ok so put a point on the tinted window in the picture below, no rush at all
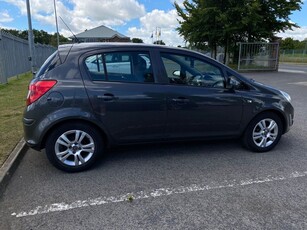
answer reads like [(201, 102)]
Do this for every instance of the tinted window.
[(188, 70), (95, 66), (121, 66), (118, 65), (52, 61)]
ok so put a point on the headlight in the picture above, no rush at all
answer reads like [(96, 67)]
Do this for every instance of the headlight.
[(287, 96)]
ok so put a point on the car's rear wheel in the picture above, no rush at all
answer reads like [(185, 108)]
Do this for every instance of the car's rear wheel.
[(263, 133), (74, 147)]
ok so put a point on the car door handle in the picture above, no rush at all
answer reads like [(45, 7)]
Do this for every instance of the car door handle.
[(107, 97), (248, 100), (181, 100)]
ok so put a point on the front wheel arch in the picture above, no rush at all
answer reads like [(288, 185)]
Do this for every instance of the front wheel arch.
[(277, 112)]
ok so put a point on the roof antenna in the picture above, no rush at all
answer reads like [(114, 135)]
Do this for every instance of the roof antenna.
[(76, 39)]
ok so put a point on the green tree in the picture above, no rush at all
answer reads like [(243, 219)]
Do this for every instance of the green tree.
[(291, 44), (40, 36), (17, 33), (205, 23), (137, 40), (212, 23), (287, 44), (159, 42), (54, 42)]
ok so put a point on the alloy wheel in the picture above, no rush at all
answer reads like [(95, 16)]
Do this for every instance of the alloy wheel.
[(265, 133), (74, 147)]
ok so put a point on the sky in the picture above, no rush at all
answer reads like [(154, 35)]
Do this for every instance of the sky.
[(133, 18)]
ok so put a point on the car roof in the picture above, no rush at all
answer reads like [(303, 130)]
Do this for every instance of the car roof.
[(100, 45)]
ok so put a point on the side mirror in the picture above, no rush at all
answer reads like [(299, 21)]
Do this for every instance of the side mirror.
[(176, 73), (232, 83)]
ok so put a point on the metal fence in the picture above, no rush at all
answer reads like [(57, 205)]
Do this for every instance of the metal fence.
[(258, 56), (297, 56), (14, 56)]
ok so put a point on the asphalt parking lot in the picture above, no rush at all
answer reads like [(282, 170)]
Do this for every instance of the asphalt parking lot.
[(193, 185)]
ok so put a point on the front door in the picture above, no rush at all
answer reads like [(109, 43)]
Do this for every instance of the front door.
[(198, 103)]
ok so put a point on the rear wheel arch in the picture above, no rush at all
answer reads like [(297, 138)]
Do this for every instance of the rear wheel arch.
[(81, 121), (74, 146)]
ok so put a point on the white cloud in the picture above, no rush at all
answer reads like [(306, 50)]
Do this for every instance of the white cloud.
[(160, 18), (296, 33), (164, 21), (5, 17), (83, 14), (179, 2), (122, 10)]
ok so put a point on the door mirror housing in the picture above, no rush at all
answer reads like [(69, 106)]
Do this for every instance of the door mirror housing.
[(176, 73), (233, 83), (236, 84)]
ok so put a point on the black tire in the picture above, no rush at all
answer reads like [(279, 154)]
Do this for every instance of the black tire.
[(264, 139), (74, 147)]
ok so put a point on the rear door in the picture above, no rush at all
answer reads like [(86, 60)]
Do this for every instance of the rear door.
[(123, 92)]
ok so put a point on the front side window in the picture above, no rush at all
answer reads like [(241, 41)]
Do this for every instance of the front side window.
[(121, 66), (186, 70)]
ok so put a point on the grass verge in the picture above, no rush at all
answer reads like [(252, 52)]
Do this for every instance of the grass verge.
[(12, 103)]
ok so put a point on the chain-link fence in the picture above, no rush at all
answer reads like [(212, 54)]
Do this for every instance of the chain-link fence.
[(297, 56), (14, 56)]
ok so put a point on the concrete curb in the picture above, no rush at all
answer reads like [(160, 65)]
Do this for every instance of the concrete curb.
[(10, 165)]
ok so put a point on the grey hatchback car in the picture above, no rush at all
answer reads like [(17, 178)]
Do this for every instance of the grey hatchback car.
[(89, 96)]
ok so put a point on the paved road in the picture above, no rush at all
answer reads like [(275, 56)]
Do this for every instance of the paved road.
[(195, 185), (294, 68)]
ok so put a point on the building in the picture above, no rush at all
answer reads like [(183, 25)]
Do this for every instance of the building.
[(101, 34)]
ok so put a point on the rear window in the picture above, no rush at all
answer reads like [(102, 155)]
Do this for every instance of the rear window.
[(120, 66), (52, 61)]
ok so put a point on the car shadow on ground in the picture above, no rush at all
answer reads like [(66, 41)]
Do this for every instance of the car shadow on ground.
[(160, 150)]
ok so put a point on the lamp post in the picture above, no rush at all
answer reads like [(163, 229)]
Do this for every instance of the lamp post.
[(31, 40), (56, 23)]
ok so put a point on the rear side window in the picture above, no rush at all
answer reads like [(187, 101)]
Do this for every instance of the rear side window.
[(95, 66), (120, 67), (118, 64), (49, 64)]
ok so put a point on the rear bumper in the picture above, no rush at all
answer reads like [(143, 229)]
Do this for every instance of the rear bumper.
[(31, 135)]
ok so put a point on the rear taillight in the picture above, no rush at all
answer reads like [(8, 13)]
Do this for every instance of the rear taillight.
[(38, 89)]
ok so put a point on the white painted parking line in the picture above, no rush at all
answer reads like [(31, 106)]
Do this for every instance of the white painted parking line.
[(304, 83), (59, 207), (291, 71)]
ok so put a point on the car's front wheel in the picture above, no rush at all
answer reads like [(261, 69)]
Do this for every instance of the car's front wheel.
[(263, 133), (74, 147)]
